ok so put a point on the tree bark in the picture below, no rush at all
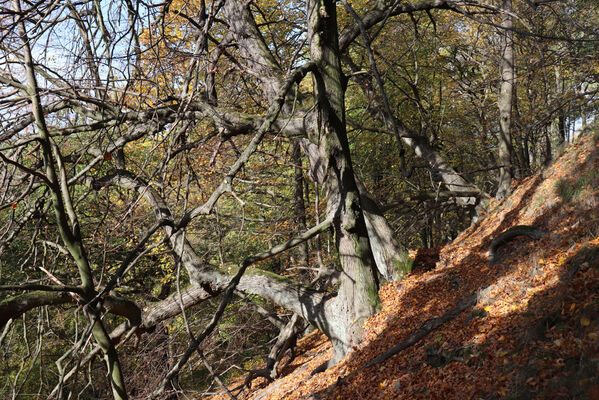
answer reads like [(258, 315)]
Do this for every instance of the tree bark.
[(299, 206), (392, 260), (261, 63), (357, 298), (254, 51), (505, 98)]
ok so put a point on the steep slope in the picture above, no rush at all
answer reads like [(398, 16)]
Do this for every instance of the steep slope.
[(531, 329)]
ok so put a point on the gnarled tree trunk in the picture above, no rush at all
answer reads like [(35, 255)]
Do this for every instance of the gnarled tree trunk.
[(357, 298)]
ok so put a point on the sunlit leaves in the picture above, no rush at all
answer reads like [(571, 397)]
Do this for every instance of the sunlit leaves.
[(537, 333)]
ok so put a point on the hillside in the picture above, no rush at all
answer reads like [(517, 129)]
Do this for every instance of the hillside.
[(526, 326)]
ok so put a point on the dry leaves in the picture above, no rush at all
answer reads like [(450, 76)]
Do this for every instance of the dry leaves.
[(535, 336)]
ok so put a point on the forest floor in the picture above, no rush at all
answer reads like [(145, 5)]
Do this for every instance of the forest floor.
[(531, 332)]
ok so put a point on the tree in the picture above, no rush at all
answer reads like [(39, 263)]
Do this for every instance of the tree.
[(506, 95), (340, 317), (168, 139)]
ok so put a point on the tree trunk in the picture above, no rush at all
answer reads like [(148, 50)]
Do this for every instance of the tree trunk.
[(357, 298), (504, 101), (252, 47), (548, 157), (299, 206), (392, 260), (560, 127), (262, 64)]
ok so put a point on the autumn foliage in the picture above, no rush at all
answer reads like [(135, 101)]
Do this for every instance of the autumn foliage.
[(533, 333)]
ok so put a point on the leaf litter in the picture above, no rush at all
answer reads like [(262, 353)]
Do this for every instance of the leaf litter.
[(533, 332)]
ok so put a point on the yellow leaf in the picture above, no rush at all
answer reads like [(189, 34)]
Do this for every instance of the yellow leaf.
[(541, 261), (572, 307), (561, 260)]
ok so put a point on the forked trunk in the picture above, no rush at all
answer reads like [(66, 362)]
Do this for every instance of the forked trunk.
[(357, 297)]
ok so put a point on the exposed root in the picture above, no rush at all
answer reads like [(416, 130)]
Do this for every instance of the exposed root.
[(519, 230), (286, 341)]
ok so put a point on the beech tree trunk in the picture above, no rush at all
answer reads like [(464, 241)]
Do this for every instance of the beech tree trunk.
[(357, 298), (506, 92), (299, 206), (392, 260)]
